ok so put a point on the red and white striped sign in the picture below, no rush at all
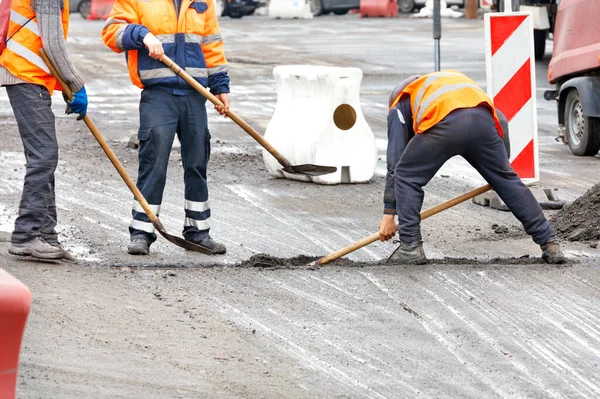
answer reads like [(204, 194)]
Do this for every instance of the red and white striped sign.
[(511, 84), (486, 3)]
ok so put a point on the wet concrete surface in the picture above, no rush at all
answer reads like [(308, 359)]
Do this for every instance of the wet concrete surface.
[(486, 318)]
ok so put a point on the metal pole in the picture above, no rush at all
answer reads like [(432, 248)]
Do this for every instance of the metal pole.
[(437, 32)]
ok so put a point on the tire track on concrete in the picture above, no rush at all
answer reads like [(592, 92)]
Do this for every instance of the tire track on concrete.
[(436, 328), (296, 350), (463, 294), (538, 350)]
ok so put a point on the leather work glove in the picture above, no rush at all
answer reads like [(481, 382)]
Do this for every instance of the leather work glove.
[(78, 104)]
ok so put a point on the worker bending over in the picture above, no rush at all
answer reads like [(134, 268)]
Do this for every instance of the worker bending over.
[(431, 119)]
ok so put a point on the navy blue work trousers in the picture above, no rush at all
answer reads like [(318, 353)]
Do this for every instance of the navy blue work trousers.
[(162, 115), (470, 133)]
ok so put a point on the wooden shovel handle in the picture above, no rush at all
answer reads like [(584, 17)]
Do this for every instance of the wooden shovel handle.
[(234, 117), (424, 215), (107, 150)]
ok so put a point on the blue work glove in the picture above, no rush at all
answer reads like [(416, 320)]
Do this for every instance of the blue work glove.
[(78, 104)]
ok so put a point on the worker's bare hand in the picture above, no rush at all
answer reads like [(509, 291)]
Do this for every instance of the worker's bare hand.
[(154, 46), (387, 228), (224, 97)]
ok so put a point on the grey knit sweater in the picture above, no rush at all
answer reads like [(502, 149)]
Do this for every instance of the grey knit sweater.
[(49, 18)]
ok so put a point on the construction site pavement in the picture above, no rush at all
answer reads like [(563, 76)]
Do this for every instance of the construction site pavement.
[(485, 319)]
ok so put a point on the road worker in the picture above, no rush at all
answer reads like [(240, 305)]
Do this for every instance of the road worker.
[(34, 25), (431, 119), (187, 32)]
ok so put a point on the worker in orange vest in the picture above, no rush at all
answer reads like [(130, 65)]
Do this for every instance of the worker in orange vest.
[(34, 25), (186, 31), (431, 119)]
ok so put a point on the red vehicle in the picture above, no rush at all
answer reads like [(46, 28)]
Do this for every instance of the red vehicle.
[(575, 70)]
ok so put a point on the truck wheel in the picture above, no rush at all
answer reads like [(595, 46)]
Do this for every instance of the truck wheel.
[(316, 7), (85, 8), (406, 6), (583, 132), (539, 43)]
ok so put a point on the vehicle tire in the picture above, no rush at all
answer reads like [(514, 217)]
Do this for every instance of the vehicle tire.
[(583, 132), (316, 7), (85, 8), (220, 8), (539, 43), (340, 12), (235, 14), (406, 6)]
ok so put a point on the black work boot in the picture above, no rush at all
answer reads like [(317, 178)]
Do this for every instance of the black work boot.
[(552, 254), (138, 246), (410, 255), (36, 247), (216, 248)]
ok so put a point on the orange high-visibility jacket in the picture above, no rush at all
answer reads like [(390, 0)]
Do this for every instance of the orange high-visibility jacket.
[(21, 55), (192, 40), (435, 95)]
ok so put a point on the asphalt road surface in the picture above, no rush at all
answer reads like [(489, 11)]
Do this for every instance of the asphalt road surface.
[(484, 319)]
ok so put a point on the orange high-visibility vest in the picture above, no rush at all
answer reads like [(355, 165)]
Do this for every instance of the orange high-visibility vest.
[(191, 38), (21, 56), (435, 95)]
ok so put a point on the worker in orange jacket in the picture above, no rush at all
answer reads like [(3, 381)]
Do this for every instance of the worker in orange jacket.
[(186, 31), (431, 119), (29, 83)]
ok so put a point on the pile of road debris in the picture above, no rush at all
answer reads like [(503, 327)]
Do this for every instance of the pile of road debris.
[(578, 221)]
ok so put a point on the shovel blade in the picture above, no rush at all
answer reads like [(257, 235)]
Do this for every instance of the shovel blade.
[(180, 242), (309, 170)]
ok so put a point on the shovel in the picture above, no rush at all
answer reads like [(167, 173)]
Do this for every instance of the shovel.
[(424, 215), (180, 242), (305, 169)]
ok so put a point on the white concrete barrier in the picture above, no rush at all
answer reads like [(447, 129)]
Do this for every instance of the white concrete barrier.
[(290, 9), (318, 120)]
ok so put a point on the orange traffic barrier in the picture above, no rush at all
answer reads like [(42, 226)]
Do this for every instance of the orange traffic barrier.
[(15, 302), (100, 9), (378, 8)]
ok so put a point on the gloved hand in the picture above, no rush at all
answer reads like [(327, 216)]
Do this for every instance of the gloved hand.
[(78, 104)]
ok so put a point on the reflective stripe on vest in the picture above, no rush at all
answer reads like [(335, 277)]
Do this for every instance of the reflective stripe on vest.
[(437, 94), (428, 82), (433, 99), (28, 55), (21, 56), (32, 26), (26, 23), (198, 73)]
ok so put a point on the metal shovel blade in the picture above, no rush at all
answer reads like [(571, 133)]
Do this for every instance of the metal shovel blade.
[(309, 170), (180, 242)]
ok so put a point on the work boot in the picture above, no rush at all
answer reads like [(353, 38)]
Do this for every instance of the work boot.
[(138, 246), (552, 254), (216, 248), (66, 254), (404, 254), (36, 247)]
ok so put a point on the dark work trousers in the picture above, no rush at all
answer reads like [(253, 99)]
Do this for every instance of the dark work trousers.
[(471, 134), (162, 115), (32, 107)]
